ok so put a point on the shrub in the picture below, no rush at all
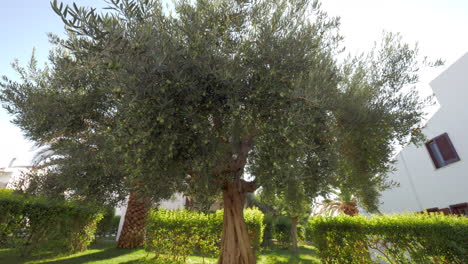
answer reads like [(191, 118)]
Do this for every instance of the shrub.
[(277, 228), (114, 226), (422, 238), (173, 235), (255, 227), (268, 232), (30, 222), (109, 223)]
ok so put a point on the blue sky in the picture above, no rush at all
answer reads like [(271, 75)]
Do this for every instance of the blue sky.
[(24, 25), (439, 27)]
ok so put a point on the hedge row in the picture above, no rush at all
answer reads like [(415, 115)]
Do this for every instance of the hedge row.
[(30, 222), (421, 238), (173, 235)]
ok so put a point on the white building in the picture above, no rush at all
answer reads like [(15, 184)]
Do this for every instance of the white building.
[(435, 175), (11, 173)]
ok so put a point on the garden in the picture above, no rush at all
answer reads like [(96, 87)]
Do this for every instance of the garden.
[(34, 230), (248, 108)]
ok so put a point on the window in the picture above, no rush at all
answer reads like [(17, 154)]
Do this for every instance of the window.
[(442, 151)]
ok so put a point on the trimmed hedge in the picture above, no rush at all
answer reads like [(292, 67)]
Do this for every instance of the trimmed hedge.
[(173, 235), (420, 238), (31, 222)]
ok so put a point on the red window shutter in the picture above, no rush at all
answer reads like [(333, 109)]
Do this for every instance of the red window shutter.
[(442, 151), (445, 211), (459, 209), (432, 210), (446, 148)]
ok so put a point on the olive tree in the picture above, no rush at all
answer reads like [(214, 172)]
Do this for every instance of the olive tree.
[(195, 96)]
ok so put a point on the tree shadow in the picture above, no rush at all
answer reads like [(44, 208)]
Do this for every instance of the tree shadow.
[(107, 253), (99, 250), (144, 261), (13, 256), (305, 255)]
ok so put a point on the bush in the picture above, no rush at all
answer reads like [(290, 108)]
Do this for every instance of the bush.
[(422, 238), (277, 228), (31, 222), (173, 235), (109, 223), (114, 226), (254, 220)]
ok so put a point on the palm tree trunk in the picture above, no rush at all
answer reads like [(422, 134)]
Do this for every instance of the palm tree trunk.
[(133, 230)]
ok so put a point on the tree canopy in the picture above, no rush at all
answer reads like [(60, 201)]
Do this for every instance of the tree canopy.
[(187, 94)]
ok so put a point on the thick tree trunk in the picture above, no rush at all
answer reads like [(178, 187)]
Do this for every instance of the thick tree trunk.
[(133, 230), (294, 233), (236, 247)]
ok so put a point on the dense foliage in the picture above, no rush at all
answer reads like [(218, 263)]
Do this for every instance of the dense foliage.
[(192, 97), (109, 223), (31, 222), (137, 93), (173, 235), (420, 238), (277, 231)]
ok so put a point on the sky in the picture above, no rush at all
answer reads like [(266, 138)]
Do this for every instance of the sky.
[(439, 28)]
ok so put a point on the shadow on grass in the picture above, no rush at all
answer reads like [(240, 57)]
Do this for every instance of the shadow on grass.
[(103, 251), (13, 256), (98, 251), (190, 259), (305, 255), (103, 254), (143, 261)]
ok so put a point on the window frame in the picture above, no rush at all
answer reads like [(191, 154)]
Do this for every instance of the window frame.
[(433, 146)]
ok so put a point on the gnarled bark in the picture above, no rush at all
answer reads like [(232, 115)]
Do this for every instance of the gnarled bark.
[(294, 233), (236, 247), (133, 230)]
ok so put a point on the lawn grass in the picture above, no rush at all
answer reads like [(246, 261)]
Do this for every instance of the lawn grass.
[(306, 255), (104, 252)]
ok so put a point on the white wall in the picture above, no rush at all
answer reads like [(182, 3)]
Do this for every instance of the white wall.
[(8, 176), (4, 178), (423, 186)]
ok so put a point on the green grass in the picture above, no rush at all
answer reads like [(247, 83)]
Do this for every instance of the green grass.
[(306, 255), (104, 252)]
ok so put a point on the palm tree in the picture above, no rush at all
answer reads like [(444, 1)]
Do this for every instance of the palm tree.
[(133, 229), (60, 154), (344, 202)]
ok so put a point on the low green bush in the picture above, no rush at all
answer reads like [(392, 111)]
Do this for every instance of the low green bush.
[(409, 238), (277, 230), (114, 225), (254, 220), (31, 222), (173, 235), (109, 223)]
